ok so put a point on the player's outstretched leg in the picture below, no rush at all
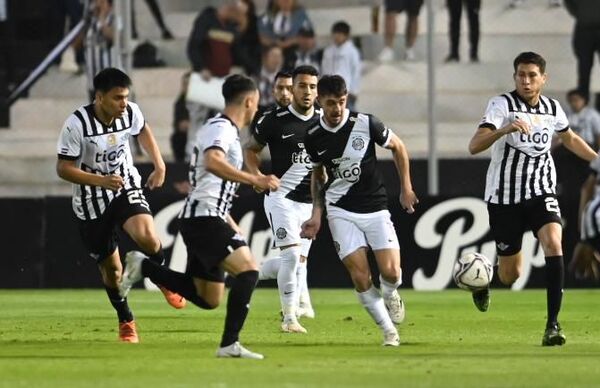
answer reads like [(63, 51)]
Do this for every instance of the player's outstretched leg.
[(392, 300), (173, 299), (555, 273), (288, 288)]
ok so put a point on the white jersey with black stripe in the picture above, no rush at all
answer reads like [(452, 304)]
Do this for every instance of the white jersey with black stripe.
[(521, 167), (103, 150), (212, 196)]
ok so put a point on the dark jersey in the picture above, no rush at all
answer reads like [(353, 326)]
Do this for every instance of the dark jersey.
[(348, 154), (283, 131)]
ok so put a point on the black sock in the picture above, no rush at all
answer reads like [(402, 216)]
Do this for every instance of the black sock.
[(120, 305), (238, 303), (555, 280), (174, 281), (158, 257)]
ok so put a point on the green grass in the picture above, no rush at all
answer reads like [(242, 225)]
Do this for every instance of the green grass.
[(67, 338)]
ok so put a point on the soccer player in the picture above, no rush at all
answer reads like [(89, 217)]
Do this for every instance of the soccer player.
[(521, 180), (283, 131), (213, 240), (93, 154), (346, 181)]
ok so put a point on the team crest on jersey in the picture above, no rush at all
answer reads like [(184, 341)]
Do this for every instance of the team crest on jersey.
[(281, 233), (112, 139), (358, 143), (336, 246)]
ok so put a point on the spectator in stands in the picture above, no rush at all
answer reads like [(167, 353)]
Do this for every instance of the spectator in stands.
[(181, 122), (209, 49), (98, 42), (281, 24), (73, 59), (586, 38), (247, 48), (454, 13), (307, 52), (583, 119), (158, 18), (518, 3), (272, 62), (343, 58), (392, 9)]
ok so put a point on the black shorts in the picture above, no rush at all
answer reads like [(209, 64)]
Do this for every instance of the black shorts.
[(209, 240), (509, 222), (100, 235), (412, 7)]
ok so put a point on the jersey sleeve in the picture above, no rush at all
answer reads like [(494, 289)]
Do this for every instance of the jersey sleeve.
[(561, 123), (595, 166), (495, 113), (379, 132), (217, 136), (309, 146), (138, 122), (263, 128), (70, 140)]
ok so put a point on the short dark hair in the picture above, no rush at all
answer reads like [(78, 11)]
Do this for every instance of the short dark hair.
[(530, 57), (332, 85), (110, 78), (342, 27), (282, 74), (306, 70), (580, 93), (306, 32), (235, 86)]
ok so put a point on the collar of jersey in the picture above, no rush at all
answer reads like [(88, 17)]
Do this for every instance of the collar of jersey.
[(522, 100), (337, 127), (223, 115), (300, 115)]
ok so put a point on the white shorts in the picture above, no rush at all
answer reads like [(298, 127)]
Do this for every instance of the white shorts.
[(351, 231), (286, 217)]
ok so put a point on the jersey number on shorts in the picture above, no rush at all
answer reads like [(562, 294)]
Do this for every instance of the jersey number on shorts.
[(135, 197), (552, 205)]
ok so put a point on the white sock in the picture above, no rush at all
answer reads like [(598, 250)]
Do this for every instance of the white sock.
[(373, 303), (287, 280), (303, 296), (387, 288), (269, 268)]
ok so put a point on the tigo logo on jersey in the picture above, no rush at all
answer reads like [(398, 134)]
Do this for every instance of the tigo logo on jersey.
[(350, 174)]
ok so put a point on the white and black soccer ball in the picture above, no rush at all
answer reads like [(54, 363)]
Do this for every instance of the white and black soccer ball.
[(473, 271)]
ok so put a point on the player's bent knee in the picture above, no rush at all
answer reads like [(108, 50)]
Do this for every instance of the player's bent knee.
[(508, 277)]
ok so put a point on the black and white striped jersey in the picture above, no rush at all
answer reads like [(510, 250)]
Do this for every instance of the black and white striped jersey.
[(348, 154), (102, 150), (212, 196), (99, 52), (283, 131), (521, 166)]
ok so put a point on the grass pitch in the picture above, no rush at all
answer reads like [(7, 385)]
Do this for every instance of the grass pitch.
[(67, 338)]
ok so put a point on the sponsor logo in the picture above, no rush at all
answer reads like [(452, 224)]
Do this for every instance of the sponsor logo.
[(321, 152), (350, 174), (285, 136), (111, 157), (301, 157), (502, 246), (281, 233)]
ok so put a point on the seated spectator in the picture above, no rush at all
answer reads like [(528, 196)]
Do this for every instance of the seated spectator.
[(272, 62), (181, 122), (342, 58), (306, 53), (281, 24), (583, 119)]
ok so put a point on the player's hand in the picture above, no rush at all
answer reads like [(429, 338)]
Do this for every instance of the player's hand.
[(310, 228), (585, 263), (156, 179), (408, 201), (266, 182), (520, 126), (112, 182)]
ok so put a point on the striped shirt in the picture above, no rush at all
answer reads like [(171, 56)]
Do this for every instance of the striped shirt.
[(521, 167), (212, 196), (99, 51), (103, 150)]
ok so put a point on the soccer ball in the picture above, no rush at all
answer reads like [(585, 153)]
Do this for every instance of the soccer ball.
[(473, 271)]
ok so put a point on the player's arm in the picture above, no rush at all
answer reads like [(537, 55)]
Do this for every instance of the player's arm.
[(586, 193), (252, 150), (148, 143), (408, 198), (577, 145), (216, 163), (486, 135), (234, 225), (68, 170), (318, 178)]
